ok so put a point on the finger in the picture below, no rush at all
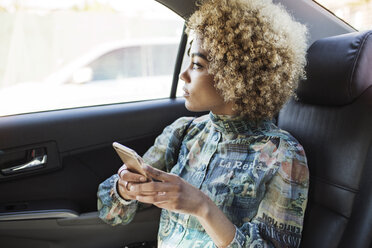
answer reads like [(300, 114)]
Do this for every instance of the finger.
[(124, 194), (155, 187), (158, 174), (126, 185), (128, 176), (125, 188), (123, 167), (162, 198)]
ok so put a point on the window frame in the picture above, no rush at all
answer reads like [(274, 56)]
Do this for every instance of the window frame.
[(178, 63)]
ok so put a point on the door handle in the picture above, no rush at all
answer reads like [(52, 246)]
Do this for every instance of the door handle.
[(37, 162)]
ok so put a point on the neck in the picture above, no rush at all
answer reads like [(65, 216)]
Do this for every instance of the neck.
[(226, 110)]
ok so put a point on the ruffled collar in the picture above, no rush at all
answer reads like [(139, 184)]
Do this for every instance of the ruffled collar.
[(238, 124)]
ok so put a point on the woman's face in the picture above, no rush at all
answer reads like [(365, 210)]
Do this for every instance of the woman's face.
[(199, 91)]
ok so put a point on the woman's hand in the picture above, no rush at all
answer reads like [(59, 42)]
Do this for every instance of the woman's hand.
[(171, 193), (126, 179), (175, 194)]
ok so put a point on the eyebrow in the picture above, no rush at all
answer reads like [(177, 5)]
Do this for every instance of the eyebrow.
[(199, 55)]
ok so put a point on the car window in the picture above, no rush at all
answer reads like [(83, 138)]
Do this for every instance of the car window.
[(67, 54), (117, 64), (157, 60), (357, 13)]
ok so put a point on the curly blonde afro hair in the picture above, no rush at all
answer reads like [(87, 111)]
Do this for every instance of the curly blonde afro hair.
[(256, 53)]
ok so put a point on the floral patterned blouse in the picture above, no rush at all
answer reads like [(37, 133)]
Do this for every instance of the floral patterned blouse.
[(255, 173)]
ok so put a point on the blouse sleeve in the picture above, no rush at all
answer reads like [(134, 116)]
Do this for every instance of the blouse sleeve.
[(163, 153), (113, 209), (279, 219)]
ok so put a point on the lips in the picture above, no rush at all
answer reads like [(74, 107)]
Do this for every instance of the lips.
[(186, 92)]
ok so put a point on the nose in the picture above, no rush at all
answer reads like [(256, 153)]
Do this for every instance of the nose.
[(184, 76)]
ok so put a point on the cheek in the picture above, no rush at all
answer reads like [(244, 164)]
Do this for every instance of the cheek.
[(203, 83), (202, 90), (211, 90), (203, 86)]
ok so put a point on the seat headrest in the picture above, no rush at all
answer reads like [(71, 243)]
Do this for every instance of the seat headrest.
[(339, 69)]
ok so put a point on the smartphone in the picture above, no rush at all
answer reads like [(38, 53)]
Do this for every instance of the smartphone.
[(130, 158)]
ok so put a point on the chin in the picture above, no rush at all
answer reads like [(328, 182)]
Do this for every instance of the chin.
[(193, 107)]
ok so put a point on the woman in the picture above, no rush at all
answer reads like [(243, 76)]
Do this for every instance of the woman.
[(233, 179)]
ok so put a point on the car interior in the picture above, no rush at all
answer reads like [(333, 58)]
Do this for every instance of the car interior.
[(53, 202), (332, 119)]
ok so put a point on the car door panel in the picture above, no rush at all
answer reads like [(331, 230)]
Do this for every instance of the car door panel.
[(84, 231), (27, 160), (55, 204)]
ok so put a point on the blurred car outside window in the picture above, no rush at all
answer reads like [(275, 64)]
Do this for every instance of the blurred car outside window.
[(357, 13), (67, 54)]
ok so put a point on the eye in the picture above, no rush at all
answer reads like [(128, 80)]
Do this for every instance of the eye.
[(196, 66)]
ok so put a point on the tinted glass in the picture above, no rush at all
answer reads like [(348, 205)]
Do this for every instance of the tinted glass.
[(67, 54)]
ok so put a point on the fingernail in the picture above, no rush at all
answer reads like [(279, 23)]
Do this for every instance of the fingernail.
[(143, 179), (131, 188)]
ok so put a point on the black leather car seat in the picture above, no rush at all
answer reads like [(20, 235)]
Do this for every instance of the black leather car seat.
[(332, 119)]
